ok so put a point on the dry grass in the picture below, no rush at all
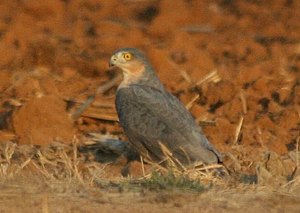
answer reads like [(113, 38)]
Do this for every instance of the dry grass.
[(171, 173), (63, 178), (61, 162), (54, 162)]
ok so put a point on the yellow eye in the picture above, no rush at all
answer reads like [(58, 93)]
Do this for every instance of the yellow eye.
[(127, 56)]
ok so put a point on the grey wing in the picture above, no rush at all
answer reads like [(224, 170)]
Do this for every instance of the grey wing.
[(175, 115), (149, 115), (142, 127)]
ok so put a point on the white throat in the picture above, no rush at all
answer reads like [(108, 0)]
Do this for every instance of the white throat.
[(130, 77)]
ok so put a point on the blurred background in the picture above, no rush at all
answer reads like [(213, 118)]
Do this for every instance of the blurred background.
[(235, 64)]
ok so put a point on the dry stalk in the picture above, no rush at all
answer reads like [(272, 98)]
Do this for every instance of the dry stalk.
[(23, 165), (244, 102), (205, 123), (259, 138), (44, 160), (209, 167), (192, 102), (42, 170), (95, 171), (213, 76), (99, 104), (198, 172), (142, 163), (156, 166), (108, 85), (67, 162), (3, 170), (99, 115), (236, 162), (102, 89), (295, 181), (75, 160), (171, 159), (186, 154), (9, 150), (182, 72), (238, 130)]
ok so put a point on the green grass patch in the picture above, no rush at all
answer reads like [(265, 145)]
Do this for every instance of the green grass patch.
[(170, 181)]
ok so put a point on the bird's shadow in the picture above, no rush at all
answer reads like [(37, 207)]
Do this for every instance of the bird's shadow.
[(109, 150)]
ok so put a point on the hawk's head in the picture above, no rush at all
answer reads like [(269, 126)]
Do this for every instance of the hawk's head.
[(131, 61), (135, 67)]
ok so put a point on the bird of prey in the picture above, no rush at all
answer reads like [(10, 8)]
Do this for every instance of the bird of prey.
[(151, 116)]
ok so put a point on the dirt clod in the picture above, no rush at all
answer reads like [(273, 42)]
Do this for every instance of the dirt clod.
[(42, 120)]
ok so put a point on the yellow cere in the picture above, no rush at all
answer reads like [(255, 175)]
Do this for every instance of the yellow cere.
[(127, 56)]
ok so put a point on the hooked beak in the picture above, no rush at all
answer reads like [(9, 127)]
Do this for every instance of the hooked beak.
[(112, 61)]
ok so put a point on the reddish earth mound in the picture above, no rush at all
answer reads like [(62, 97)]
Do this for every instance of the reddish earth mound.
[(43, 120)]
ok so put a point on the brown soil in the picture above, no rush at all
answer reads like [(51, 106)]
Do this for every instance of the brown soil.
[(33, 122), (54, 52), (29, 196)]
